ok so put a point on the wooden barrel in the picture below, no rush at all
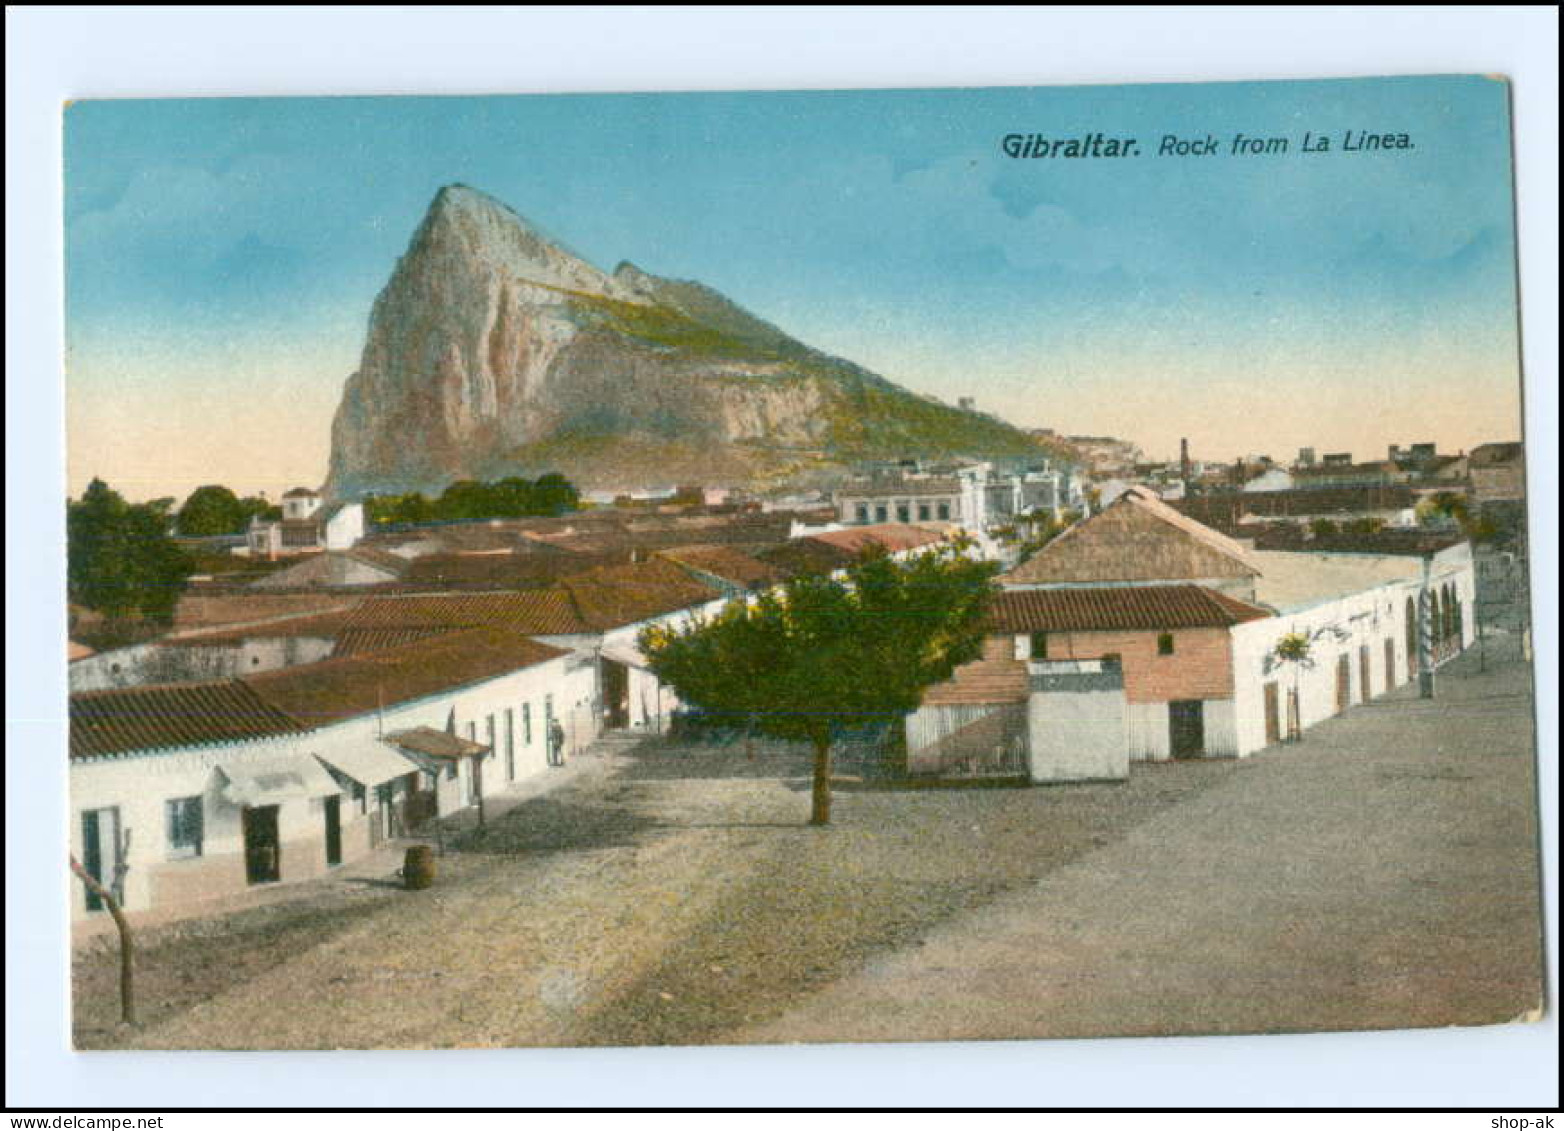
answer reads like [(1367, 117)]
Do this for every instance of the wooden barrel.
[(418, 867)]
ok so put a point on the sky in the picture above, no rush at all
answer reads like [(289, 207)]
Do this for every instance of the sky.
[(222, 255)]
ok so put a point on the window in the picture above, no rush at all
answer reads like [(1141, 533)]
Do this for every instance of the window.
[(944, 512), (903, 512), (361, 795), (526, 723), (863, 512), (450, 770), (881, 513), (923, 512), (183, 818), (1164, 643), (1039, 645)]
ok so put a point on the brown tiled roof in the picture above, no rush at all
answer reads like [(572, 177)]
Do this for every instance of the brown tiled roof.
[(210, 607), (613, 596), (357, 641), (1327, 470), (1149, 607), (537, 612), (899, 488), (172, 715), (299, 493), (434, 743), (516, 570), (74, 650), (323, 625), (1290, 536), (806, 556), (335, 689), (1137, 537), (380, 559), (893, 536), (727, 562), (1489, 455), (1225, 508)]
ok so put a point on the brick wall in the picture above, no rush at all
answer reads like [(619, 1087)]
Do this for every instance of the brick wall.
[(1201, 666)]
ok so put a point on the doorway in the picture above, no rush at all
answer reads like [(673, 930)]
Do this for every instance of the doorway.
[(1366, 691), (616, 694), (100, 852), (1273, 714), (262, 852), (1390, 662), (333, 831), (1187, 730), (1343, 683)]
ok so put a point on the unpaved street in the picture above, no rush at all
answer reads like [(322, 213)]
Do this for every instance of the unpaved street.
[(1381, 874)]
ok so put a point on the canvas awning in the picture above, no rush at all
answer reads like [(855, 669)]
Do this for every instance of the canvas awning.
[(433, 743), (369, 764), (270, 783), (627, 654)]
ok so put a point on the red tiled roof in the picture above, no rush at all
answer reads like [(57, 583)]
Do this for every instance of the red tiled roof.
[(172, 715), (335, 689), (893, 536), (1148, 607)]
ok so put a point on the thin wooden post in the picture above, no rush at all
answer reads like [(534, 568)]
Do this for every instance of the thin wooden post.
[(127, 998)]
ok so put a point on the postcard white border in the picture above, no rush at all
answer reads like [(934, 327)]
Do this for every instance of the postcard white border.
[(55, 54)]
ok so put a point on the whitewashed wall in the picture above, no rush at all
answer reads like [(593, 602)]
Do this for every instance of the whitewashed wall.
[(1077, 736)]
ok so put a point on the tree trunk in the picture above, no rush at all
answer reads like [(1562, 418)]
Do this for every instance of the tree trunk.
[(127, 998), (820, 811)]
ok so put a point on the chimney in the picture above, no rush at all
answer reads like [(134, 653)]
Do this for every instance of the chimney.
[(1183, 458)]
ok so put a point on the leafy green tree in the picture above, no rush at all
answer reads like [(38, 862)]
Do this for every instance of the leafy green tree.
[(121, 559), (1367, 525), (553, 494), (211, 510), (820, 656), (1323, 527)]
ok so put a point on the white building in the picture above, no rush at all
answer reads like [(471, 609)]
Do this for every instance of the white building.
[(186, 792)]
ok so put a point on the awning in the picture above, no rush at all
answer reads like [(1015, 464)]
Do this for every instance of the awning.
[(269, 783), (627, 654), (369, 764), (435, 743)]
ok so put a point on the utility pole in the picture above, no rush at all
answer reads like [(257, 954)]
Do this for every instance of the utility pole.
[(1425, 632), (127, 997)]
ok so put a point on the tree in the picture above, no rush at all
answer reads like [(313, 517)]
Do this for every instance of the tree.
[(820, 656), (553, 494), (211, 510), (120, 559), (1323, 527)]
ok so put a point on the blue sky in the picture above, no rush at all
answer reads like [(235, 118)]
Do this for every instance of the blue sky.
[(222, 255)]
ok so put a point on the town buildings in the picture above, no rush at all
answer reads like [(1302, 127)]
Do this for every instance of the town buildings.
[(1221, 649)]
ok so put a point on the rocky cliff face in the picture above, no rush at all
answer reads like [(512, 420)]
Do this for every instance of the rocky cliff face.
[(493, 351)]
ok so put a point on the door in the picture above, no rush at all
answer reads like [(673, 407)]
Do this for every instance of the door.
[(262, 852), (1273, 714), (100, 852), (1411, 644), (1366, 692), (1390, 663), (1187, 731), (333, 831), (1343, 683)]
